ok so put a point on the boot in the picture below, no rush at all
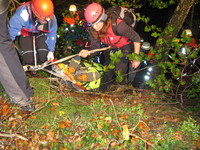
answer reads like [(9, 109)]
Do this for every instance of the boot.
[(29, 107)]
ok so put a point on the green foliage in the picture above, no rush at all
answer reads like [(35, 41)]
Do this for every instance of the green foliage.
[(161, 4), (119, 77), (156, 31), (114, 58), (175, 65), (124, 3), (190, 129), (134, 56), (193, 92), (71, 38)]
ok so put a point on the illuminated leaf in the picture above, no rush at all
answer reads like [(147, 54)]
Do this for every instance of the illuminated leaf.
[(99, 126), (61, 113), (125, 132)]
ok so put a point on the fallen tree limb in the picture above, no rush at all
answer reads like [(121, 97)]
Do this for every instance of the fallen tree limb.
[(69, 57), (11, 135)]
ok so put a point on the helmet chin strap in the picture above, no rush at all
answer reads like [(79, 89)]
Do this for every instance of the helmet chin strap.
[(103, 19), (105, 16)]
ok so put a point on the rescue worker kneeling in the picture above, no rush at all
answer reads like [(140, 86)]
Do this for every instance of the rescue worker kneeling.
[(36, 26)]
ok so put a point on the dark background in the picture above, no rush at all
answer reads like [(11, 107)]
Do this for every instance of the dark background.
[(159, 17)]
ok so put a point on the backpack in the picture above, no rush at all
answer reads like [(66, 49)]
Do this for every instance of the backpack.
[(126, 14)]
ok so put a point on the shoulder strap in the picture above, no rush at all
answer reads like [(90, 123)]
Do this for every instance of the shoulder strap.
[(114, 24), (114, 11)]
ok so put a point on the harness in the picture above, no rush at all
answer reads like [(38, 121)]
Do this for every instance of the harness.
[(113, 39)]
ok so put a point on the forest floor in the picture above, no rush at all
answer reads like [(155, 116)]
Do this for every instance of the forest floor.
[(63, 113)]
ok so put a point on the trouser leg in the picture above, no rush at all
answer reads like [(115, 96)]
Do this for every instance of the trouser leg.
[(27, 48), (12, 75), (42, 49), (107, 80), (122, 67)]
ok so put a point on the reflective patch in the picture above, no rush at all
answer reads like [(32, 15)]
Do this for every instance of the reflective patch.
[(24, 15)]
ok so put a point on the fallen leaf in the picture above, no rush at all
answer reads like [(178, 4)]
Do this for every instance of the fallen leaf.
[(64, 124), (99, 126), (50, 135), (124, 116), (142, 126), (113, 143), (140, 94), (55, 103), (94, 135), (177, 135), (44, 126), (115, 132), (5, 109), (126, 132), (53, 108), (14, 124), (33, 117)]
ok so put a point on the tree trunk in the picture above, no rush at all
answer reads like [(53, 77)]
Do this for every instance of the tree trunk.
[(177, 19)]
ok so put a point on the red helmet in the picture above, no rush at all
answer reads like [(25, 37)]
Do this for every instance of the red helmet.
[(43, 9), (93, 13)]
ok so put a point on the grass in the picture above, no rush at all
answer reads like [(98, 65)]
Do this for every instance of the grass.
[(85, 122)]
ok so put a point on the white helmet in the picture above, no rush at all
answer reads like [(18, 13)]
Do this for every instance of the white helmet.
[(188, 32), (72, 7), (145, 46)]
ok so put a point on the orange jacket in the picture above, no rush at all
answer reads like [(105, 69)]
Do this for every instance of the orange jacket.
[(74, 19), (192, 43)]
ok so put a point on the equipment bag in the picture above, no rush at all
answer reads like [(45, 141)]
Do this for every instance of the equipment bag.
[(84, 68), (126, 14)]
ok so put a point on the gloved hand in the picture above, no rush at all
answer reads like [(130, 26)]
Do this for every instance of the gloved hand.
[(135, 64), (84, 53), (50, 56)]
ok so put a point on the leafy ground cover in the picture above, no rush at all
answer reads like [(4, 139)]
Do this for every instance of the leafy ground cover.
[(124, 118)]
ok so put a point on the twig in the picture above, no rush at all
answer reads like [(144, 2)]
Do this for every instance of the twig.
[(136, 125), (110, 143), (116, 115), (13, 135), (143, 140), (57, 75)]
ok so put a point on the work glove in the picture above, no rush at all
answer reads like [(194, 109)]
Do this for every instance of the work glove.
[(50, 56), (84, 53), (135, 64)]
